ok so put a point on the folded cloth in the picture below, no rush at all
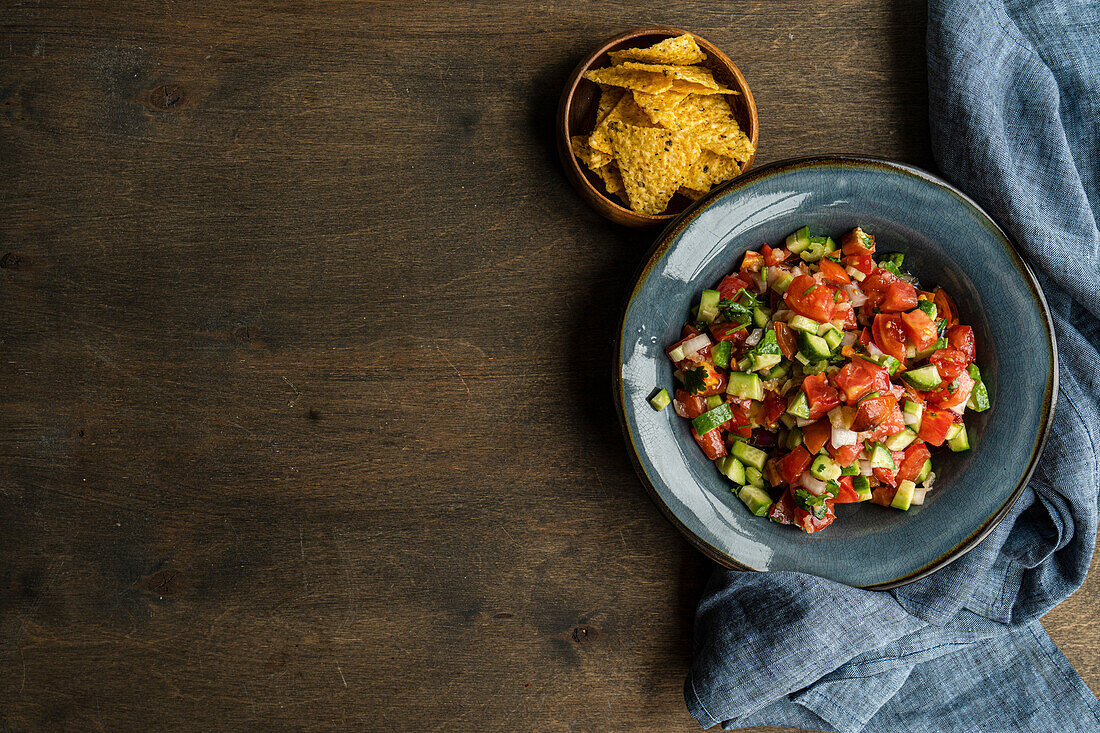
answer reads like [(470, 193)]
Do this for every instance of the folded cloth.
[(1014, 108)]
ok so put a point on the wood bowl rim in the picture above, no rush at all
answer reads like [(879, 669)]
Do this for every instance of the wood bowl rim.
[(610, 208)]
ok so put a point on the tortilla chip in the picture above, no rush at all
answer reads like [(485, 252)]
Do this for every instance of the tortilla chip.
[(711, 121), (680, 50), (591, 158), (609, 97), (612, 179), (653, 163), (692, 74), (654, 104), (625, 111), (617, 76), (710, 169), (691, 88)]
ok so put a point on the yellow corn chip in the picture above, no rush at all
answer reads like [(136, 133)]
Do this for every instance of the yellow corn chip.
[(654, 104), (653, 163), (692, 88), (616, 76), (679, 50), (711, 122), (691, 74), (612, 179), (710, 169), (609, 97), (591, 158), (626, 111)]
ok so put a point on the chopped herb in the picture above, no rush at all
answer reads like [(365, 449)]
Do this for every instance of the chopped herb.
[(954, 385), (813, 504), (810, 289), (766, 345), (735, 311), (836, 296), (695, 380), (748, 298)]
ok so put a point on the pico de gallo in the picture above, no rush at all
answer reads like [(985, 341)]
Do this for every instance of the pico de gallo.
[(820, 373)]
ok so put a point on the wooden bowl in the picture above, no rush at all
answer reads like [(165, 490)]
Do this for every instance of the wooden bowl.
[(577, 116)]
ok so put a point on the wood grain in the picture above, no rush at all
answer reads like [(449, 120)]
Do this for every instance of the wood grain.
[(305, 349)]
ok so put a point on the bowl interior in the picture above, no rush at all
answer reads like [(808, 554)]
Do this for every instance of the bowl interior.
[(947, 241), (581, 118)]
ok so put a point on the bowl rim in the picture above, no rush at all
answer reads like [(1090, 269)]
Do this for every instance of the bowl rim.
[(664, 240), (565, 102)]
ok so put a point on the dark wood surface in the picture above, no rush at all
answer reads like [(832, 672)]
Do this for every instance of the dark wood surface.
[(305, 350)]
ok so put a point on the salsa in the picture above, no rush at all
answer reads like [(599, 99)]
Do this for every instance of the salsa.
[(819, 373)]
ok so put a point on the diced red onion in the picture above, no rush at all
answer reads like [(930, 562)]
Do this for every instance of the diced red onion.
[(927, 484), (855, 295), (918, 496), (854, 273), (754, 338), (815, 487), (783, 314), (849, 338), (864, 467), (842, 436), (695, 343), (874, 350), (803, 422)]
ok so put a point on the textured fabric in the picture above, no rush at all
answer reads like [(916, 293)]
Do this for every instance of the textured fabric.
[(1015, 114)]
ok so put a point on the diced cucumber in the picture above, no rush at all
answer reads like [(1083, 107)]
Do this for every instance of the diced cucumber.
[(814, 367), (708, 305), (781, 283), (910, 351), (794, 438), (960, 441), (761, 316), (748, 455), (789, 421), (927, 377), (799, 406), (756, 499), (889, 363), (753, 477), (677, 354), (745, 386), (711, 419), (759, 362), (830, 245), (940, 343), (801, 358), (924, 471), (779, 371), (928, 307), (903, 499), (852, 470), (814, 252), (824, 468), (974, 372), (713, 401), (979, 398), (720, 354), (799, 241), (802, 323), (900, 441), (661, 400), (862, 485), (834, 338), (814, 347), (916, 409), (881, 458), (731, 468)]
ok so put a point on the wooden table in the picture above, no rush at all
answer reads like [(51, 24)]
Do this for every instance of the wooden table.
[(305, 349)]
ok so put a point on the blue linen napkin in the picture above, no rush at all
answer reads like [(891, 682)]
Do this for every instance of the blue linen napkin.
[(1015, 118)]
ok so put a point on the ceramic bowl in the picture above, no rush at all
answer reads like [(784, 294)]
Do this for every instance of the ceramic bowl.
[(947, 240), (577, 116)]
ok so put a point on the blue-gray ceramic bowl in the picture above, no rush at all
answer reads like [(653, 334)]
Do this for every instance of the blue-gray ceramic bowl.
[(947, 240)]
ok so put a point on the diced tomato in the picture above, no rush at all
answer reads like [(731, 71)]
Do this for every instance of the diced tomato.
[(863, 263), (711, 443), (945, 307), (782, 511), (946, 398), (788, 344), (900, 296), (774, 256), (872, 412), (753, 262), (687, 332), (934, 425), (809, 298), (793, 465), (888, 476), (774, 407), (883, 495), (857, 242), (859, 377), (845, 312), (809, 523), (820, 395), (949, 362), (771, 471), (815, 435), (894, 423), (864, 338), (913, 461), (845, 455), (962, 338), (729, 331), (739, 423), (730, 285), (832, 272), (920, 328), (847, 493), (689, 405), (889, 336), (875, 286)]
